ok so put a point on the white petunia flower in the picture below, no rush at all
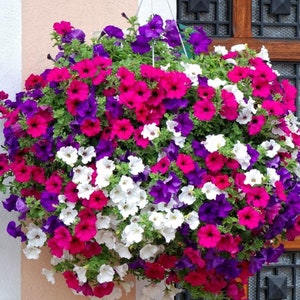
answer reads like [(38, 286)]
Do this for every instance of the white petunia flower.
[(106, 237), (179, 141), (271, 148), (253, 177), (174, 218), (102, 180), (171, 127), (85, 190), (32, 252), (106, 274), (220, 50), (136, 165), (263, 54), (82, 174), (35, 236), (186, 195), (192, 219), (157, 218), (168, 233), (149, 252), (273, 176), (68, 215), (123, 251), (192, 71), (238, 94), (142, 201), (127, 208), (241, 154), (245, 116), (126, 183), (49, 274), (132, 233), (68, 155), (216, 82), (122, 270), (214, 142), (150, 131), (117, 194), (87, 154), (103, 222), (105, 166), (210, 190), (238, 48), (81, 273)]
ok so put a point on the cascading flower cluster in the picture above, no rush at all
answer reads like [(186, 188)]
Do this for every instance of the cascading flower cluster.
[(130, 157)]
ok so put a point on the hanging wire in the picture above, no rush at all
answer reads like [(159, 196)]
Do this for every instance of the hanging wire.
[(173, 17)]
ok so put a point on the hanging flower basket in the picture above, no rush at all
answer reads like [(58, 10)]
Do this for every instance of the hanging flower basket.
[(142, 154)]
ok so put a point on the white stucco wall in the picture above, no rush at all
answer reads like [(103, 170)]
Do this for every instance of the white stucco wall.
[(10, 81), (165, 8)]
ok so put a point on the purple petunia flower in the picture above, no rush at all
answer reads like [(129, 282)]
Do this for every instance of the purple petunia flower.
[(185, 124), (49, 201), (141, 45), (256, 263), (172, 151), (51, 224), (43, 149), (87, 109), (160, 192), (113, 107), (99, 50), (272, 254), (195, 177), (104, 148), (199, 40), (113, 31), (75, 34), (174, 105), (153, 29), (254, 154), (199, 149), (173, 183), (16, 231), (69, 141), (274, 162), (172, 35), (229, 268)]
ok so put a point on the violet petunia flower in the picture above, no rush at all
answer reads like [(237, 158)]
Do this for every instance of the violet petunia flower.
[(185, 124), (99, 50), (50, 224), (199, 149), (113, 31), (114, 107), (254, 154), (172, 35), (43, 149), (172, 151), (16, 231), (173, 183), (49, 201), (104, 148), (141, 45), (229, 268), (75, 34), (175, 104), (199, 40), (160, 192), (153, 29)]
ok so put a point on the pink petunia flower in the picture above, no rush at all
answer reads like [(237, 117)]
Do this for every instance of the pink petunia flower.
[(256, 124), (215, 161), (62, 237), (54, 183), (85, 68), (208, 236), (85, 230), (257, 197), (204, 110), (238, 73), (62, 27), (37, 125), (90, 127), (185, 163), (249, 217), (78, 90), (58, 74), (162, 166), (123, 129)]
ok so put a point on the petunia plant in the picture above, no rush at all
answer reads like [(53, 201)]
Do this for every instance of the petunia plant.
[(143, 153)]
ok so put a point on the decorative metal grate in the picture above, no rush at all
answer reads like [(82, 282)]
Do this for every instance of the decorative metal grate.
[(290, 71), (213, 15), (272, 20), (277, 281)]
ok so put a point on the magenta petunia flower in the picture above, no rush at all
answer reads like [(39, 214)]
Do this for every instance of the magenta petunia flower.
[(208, 236), (249, 217), (204, 110)]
